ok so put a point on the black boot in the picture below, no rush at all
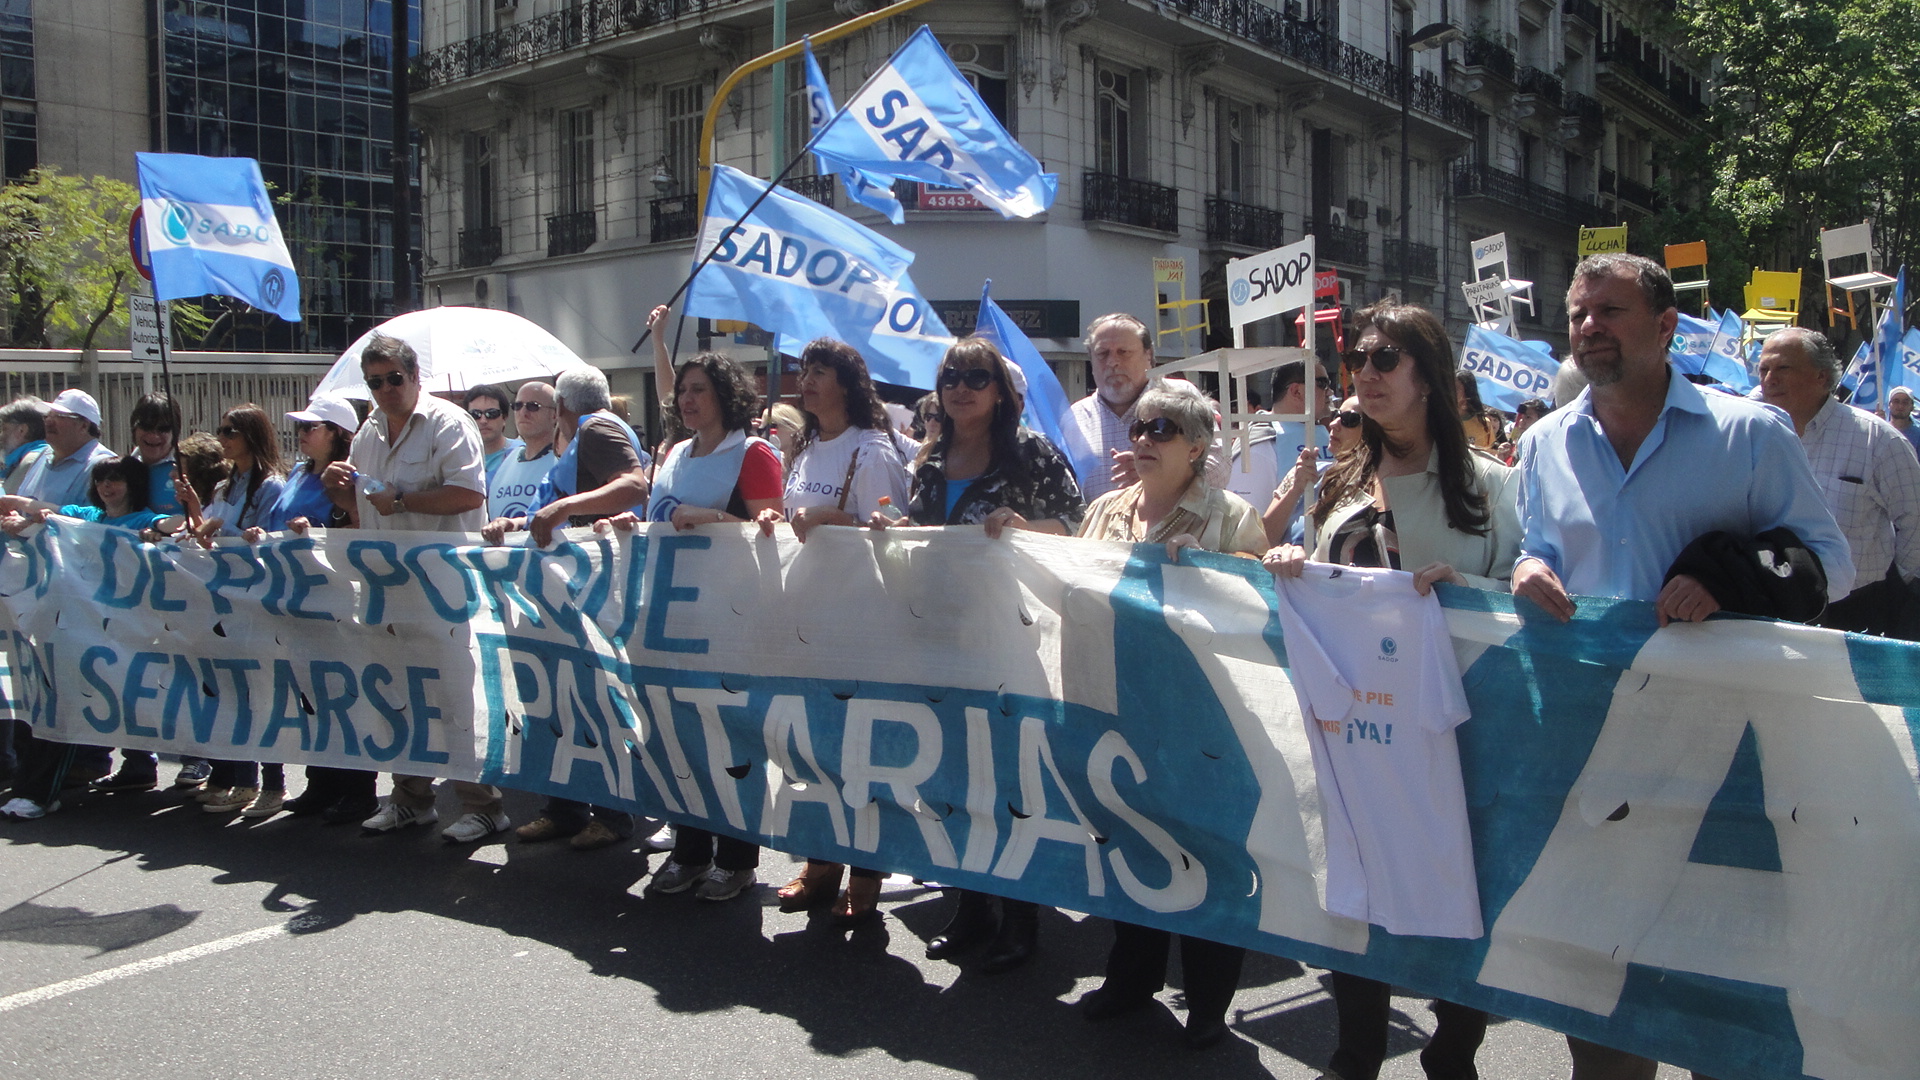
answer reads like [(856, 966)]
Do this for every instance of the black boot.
[(323, 790), (972, 923), (1017, 939)]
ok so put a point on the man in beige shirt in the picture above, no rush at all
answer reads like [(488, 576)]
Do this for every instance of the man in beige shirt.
[(417, 464)]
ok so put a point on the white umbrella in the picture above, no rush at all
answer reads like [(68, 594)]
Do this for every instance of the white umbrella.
[(459, 347)]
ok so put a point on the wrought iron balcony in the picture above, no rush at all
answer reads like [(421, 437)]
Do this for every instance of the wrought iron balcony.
[(1421, 261), (479, 247), (1272, 28), (1585, 10), (1106, 197), (1485, 182), (1631, 191), (1532, 80), (1336, 243), (571, 234), (1257, 227), (1496, 58), (555, 32), (1679, 89), (672, 217), (1578, 104), (818, 188)]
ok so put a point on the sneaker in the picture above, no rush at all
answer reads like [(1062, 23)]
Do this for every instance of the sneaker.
[(267, 804), (674, 877), (596, 835), (726, 884), (392, 817), (540, 828), (475, 826), (231, 799), (128, 780), (27, 809), (210, 794), (659, 841), (192, 774)]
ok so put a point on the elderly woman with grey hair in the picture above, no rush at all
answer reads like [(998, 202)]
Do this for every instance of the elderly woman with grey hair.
[(1172, 503), (23, 433)]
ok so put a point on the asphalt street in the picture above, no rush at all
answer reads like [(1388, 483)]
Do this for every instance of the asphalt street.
[(141, 937)]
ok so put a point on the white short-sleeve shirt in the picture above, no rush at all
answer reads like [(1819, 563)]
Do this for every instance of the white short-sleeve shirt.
[(439, 446)]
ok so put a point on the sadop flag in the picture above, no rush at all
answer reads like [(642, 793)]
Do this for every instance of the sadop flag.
[(800, 269), (875, 192), (1910, 359), (210, 229), (1889, 333), (1723, 362), (1048, 411), (918, 118), (1862, 383), (1508, 371), (1692, 340)]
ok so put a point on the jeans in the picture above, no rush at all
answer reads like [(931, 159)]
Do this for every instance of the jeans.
[(248, 774), (1363, 1004), (698, 847), (1209, 971)]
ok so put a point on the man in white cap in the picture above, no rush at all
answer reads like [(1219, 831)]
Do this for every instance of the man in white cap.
[(73, 444)]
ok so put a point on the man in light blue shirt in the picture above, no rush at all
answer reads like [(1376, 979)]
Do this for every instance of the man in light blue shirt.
[(73, 444), (1642, 463), (1614, 485)]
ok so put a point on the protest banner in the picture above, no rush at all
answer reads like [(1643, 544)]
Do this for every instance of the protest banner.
[(1698, 842), (1604, 240), (1508, 371)]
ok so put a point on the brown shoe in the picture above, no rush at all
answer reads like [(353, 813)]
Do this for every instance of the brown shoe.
[(594, 837), (540, 828), (816, 887), (860, 903)]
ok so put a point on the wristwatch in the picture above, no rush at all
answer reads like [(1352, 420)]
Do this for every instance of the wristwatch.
[(399, 503)]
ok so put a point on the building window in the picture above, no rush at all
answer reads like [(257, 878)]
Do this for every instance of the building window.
[(477, 181), (576, 161), (686, 107), (19, 143), (1230, 151), (984, 63), (1113, 119), (799, 119), (16, 49), (479, 17)]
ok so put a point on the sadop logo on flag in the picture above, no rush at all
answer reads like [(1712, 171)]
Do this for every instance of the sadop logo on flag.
[(1048, 411), (804, 271), (918, 118), (210, 229), (874, 192), (1910, 358), (1692, 340), (1508, 371), (1723, 361)]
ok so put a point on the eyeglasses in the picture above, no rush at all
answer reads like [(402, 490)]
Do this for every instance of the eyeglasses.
[(486, 414), (391, 378), (301, 427), (1159, 429), (527, 406), (228, 431), (976, 378), (1385, 359), (1347, 418), (157, 429)]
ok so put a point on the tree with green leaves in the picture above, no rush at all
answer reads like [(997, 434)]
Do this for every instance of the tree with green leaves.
[(63, 258)]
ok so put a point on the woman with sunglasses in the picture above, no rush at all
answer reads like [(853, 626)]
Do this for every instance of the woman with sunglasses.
[(1343, 434), (1171, 503), (242, 502), (983, 468), (1413, 496)]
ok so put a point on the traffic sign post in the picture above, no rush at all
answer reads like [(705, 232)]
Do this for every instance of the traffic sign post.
[(150, 332)]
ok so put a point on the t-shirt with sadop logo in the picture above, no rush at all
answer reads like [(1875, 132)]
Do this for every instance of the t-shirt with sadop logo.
[(820, 473), (1373, 667), (516, 482)]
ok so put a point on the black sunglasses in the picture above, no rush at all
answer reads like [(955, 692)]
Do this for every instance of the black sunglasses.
[(976, 378), (301, 427), (486, 414), (228, 431), (1385, 359), (391, 378), (529, 406), (162, 428), (1159, 429), (1347, 418)]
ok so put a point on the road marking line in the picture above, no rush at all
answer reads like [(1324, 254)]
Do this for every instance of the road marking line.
[(141, 967)]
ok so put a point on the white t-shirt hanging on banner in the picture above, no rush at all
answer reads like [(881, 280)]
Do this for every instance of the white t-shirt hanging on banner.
[(1372, 663)]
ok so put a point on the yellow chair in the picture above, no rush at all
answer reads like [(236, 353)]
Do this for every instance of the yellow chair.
[(1773, 301), (1689, 257)]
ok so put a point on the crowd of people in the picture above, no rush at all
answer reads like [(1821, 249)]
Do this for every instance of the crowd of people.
[(1597, 497)]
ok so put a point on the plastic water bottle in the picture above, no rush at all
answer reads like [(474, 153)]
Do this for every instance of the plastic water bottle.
[(890, 511), (368, 485)]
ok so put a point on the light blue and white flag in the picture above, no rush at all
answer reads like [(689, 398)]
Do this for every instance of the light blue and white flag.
[(1692, 340), (918, 118), (1889, 333), (1508, 371), (1860, 380), (875, 192), (1048, 410), (800, 269), (1723, 361), (211, 230), (1910, 359)]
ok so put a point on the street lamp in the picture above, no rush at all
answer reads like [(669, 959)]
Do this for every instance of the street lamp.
[(1431, 36)]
